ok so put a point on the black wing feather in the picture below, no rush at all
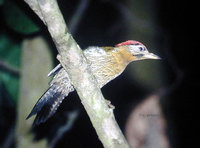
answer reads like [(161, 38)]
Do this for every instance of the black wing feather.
[(47, 105)]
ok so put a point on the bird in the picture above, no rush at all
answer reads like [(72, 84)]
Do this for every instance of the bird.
[(106, 64)]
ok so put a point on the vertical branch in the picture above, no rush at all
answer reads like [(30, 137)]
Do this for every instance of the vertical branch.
[(74, 62), (35, 51)]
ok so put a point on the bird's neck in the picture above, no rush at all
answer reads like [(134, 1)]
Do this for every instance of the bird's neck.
[(123, 56), (107, 62)]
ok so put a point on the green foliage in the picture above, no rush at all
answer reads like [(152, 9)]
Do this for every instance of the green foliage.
[(10, 52), (17, 19), (1, 2)]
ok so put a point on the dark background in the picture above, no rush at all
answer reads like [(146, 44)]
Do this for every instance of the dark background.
[(105, 23)]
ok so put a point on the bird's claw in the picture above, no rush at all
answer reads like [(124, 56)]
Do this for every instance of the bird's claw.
[(108, 102)]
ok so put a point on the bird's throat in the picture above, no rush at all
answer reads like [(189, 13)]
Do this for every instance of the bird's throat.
[(123, 56)]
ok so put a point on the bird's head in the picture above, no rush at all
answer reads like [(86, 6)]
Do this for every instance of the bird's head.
[(137, 50)]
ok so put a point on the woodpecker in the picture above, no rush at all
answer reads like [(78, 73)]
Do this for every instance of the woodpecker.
[(106, 63)]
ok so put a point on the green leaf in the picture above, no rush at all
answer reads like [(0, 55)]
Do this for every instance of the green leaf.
[(12, 85), (10, 53), (17, 19)]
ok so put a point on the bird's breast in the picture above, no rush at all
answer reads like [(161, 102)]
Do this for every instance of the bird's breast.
[(105, 68)]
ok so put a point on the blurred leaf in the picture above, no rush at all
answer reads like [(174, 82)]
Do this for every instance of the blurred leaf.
[(10, 52), (11, 84), (1, 2), (17, 19), (147, 74)]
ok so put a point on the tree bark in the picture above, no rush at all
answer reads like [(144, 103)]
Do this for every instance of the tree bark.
[(76, 65)]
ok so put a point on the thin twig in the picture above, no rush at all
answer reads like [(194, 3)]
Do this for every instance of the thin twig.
[(8, 68), (72, 116), (77, 16)]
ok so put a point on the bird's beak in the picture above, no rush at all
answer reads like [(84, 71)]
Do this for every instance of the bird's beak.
[(151, 56)]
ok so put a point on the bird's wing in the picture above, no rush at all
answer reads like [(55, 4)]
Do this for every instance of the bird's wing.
[(55, 70), (47, 105)]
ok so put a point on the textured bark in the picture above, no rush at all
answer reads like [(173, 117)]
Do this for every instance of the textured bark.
[(74, 62)]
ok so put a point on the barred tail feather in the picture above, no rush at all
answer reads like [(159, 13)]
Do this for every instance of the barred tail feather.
[(49, 109), (41, 102), (47, 105), (59, 88)]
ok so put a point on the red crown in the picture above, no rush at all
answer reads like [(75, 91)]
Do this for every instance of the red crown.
[(129, 42)]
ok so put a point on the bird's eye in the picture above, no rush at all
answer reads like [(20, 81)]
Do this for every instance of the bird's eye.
[(142, 48)]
